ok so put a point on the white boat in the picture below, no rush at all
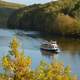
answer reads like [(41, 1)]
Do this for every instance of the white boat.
[(49, 46)]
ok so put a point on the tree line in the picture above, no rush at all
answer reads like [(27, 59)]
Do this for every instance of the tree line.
[(57, 17)]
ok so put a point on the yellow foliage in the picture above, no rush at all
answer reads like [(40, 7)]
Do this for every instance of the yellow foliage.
[(18, 67), (66, 25)]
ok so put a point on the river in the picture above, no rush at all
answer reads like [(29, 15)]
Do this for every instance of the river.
[(31, 41)]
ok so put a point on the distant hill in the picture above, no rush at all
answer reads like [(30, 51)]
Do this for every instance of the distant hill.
[(4, 4), (6, 9)]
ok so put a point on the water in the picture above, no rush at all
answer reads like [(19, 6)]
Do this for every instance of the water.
[(69, 48)]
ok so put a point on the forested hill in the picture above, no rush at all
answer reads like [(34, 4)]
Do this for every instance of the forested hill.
[(6, 9), (60, 17)]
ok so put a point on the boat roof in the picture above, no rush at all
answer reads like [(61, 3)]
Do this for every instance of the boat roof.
[(51, 42)]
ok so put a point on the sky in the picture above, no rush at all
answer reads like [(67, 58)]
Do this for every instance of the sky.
[(28, 2)]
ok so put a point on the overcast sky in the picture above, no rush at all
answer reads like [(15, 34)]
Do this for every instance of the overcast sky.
[(28, 2)]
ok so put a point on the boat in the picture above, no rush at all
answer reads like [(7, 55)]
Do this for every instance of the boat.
[(49, 46)]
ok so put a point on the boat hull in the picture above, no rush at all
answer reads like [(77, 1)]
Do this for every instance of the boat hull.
[(55, 50)]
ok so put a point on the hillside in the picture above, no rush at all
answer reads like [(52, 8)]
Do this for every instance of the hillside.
[(6, 9), (57, 17)]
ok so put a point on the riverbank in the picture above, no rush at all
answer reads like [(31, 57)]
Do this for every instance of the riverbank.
[(47, 18), (62, 20)]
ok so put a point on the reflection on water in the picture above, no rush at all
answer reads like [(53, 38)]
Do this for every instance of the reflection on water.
[(49, 54), (31, 41), (73, 46)]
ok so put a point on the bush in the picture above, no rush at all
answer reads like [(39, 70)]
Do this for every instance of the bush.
[(67, 25), (18, 67)]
